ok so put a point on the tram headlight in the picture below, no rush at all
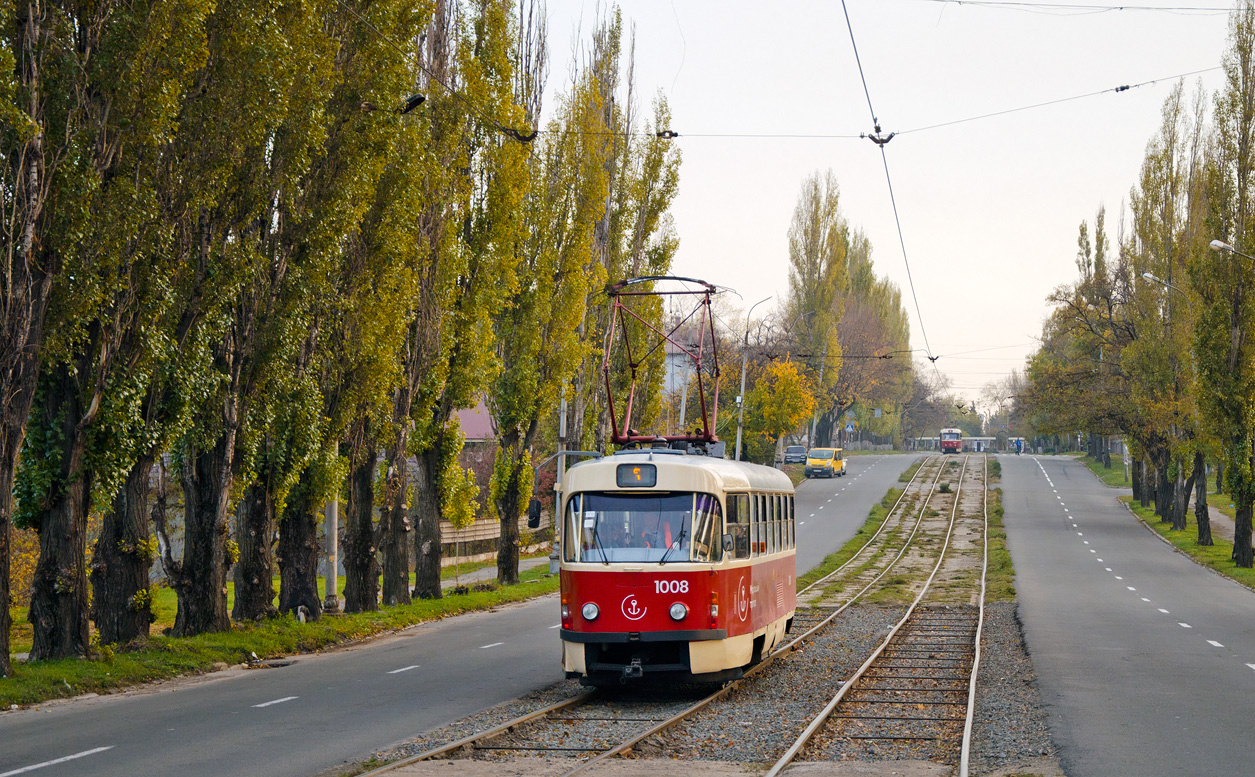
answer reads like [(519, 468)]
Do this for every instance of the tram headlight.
[(679, 611), (590, 611)]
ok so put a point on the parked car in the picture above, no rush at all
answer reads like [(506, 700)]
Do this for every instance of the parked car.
[(824, 462), (794, 454)]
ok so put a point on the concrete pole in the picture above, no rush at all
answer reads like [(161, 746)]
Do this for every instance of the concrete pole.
[(740, 400), (332, 601), (810, 440), (684, 398)]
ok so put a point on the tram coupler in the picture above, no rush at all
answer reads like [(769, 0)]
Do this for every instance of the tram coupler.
[(633, 670)]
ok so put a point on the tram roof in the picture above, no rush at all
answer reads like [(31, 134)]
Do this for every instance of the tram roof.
[(704, 473)]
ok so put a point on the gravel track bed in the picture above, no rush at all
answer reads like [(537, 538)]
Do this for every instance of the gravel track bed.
[(759, 721), (482, 721), (1009, 729)]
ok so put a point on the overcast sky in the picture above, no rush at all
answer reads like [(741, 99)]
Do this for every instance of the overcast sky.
[(989, 209)]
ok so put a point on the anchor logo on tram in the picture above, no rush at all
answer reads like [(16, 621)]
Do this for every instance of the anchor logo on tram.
[(742, 603), (632, 609)]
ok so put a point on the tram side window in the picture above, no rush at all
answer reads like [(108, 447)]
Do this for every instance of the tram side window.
[(706, 523), (780, 521), (757, 531), (792, 524), (739, 524), (571, 532)]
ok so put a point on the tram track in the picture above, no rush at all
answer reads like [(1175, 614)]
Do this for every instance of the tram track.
[(595, 726)]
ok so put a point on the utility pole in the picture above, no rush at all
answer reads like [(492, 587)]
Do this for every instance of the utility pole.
[(810, 441), (740, 400), (331, 603)]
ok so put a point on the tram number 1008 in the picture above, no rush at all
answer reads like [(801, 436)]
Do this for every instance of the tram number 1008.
[(671, 586)]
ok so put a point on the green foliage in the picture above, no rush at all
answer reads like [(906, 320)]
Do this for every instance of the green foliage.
[(780, 401)]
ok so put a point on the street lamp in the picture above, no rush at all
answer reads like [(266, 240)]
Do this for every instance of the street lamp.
[(1220, 245), (1188, 304), (740, 400)]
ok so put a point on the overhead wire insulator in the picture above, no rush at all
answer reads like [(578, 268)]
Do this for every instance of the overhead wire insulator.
[(667, 134)]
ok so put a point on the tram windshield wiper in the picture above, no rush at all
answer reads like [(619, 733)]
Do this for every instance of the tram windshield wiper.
[(597, 541), (679, 542)]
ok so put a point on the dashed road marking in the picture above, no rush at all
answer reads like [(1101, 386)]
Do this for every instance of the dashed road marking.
[(1184, 625), (495, 644), (62, 760), (276, 701), (404, 669), (1214, 643), (1165, 612), (1144, 599), (1119, 578), (556, 626), (1131, 588)]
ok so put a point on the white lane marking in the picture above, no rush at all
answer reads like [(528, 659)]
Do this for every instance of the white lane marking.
[(829, 500), (801, 523), (1131, 588), (812, 515), (495, 644), (1091, 550), (556, 626), (1184, 625), (821, 507), (1085, 541), (55, 761), (1065, 509), (1101, 561), (1165, 612), (1144, 599), (1214, 643), (404, 669), (276, 701), (1079, 534), (1119, 578), (1250, 665), (1106, 568)]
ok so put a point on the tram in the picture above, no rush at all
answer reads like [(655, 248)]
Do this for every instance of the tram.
[(951, 440), (673, 566)]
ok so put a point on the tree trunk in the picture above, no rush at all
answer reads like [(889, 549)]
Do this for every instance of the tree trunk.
[(59, 598), (298, 558), (27, 282), (1183, 498), (1220, 476), (1136, 472), (394, 539), (1148, 483), (361, 565), (254, 572), (1201, 513), (508, 511), (121, 559), (1242, 536), (426, 519), (202, 589), (1163, 493)]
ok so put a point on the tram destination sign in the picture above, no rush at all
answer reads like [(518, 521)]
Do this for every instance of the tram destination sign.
[(636, 476)]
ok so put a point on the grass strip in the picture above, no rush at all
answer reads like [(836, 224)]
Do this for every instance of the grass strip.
[(906, 476), (1217, 557), (1112, 476), (875, 517), (1000, 577), (161, 658)]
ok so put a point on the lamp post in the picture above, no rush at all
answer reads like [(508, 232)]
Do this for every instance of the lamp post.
[(740, 400), (1154, 279), (810, 440), (1220, 245)]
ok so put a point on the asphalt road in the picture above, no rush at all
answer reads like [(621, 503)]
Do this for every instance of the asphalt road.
[(1146, 661), (326, 710)]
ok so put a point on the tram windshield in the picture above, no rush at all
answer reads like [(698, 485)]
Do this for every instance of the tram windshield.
[(655, 527), (950, 435)]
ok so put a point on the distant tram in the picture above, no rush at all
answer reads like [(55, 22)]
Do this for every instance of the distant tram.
[(951, 440), (673, 566)]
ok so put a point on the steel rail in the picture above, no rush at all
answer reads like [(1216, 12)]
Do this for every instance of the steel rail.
[(883, 524), (827, 711), (436, 752), (768, 660), (965, 755)]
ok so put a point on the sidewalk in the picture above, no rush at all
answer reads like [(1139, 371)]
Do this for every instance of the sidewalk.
[(490, 572)]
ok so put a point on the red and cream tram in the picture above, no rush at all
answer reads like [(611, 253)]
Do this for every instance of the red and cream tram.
[(951, 440), (674, 565)]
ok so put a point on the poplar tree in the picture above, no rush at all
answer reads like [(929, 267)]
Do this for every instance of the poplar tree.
[(1225, 282)]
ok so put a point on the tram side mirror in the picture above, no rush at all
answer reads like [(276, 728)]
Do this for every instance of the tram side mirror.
[(727, 543), (533, 514)]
